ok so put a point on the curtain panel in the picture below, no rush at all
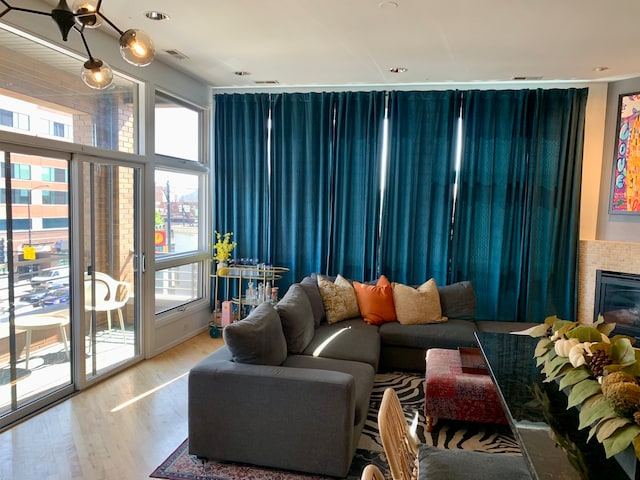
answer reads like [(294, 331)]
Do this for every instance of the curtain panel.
[(491, 201), (516, 227), (241, 171), (301, 165), (553, 227), (418, 199), (356, 188)]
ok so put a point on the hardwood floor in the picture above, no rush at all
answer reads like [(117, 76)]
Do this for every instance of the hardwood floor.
[(122, 428)]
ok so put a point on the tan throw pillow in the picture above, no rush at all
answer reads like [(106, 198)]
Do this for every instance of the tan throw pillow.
[(339, 298), (418, 305)]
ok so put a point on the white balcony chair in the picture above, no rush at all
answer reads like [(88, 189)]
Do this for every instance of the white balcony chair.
[(111, 294)]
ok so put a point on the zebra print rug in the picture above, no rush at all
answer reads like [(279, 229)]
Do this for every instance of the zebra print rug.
[(492, 438), (410, 388)]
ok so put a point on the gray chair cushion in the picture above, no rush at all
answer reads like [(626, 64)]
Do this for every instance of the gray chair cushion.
[(439, 463), (297, 318), (451, 334), (458, 300), (258, 339), (310, 286)]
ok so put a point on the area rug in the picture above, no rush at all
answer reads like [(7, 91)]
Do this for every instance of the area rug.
[(410, 388)]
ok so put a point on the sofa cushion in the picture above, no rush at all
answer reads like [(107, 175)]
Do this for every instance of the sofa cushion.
[(376, 301), (339, 299), (452, 334), (363, 373), (418, 305), (297, 318), (348, 340), (310, 286), (458, 300), (257, 339)]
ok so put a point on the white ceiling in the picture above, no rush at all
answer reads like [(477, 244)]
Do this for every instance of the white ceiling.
[(356, 42)]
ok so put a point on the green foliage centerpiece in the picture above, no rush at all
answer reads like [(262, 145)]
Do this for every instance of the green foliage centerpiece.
[(602, 375)]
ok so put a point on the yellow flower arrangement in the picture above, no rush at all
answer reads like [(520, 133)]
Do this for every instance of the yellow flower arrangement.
[(601, 374), (223, 247)]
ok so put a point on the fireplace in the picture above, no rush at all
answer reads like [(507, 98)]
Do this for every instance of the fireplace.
[(617, 299)]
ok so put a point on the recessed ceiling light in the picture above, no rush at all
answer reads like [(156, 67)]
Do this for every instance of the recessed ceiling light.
[(388, 5), (242, 73), (600, 69), (398, 69), (153, 15)]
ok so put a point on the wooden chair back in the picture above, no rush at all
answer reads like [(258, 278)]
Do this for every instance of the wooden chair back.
[(400, 446), (371, 472)]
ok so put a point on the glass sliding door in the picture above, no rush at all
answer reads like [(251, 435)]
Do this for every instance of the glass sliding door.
[(111, 273), (35, 297)]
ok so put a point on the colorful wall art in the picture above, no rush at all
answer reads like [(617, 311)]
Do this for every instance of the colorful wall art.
[(625, 191)]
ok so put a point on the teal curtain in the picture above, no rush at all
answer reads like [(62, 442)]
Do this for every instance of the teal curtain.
[(307, 196), (355, 204), (241, 172), (418, 200), (301, 160), (553, 226), (491, 202), (517, 210)]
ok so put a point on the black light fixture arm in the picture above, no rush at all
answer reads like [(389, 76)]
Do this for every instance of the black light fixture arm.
[(84, 42), (110, 23), (113, 25)]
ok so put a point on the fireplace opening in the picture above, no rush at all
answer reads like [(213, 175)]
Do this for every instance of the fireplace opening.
[(618, 301)]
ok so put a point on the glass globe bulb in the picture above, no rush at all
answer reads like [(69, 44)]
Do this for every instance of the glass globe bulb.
[(136, 47), (85, 14), (96, 74)]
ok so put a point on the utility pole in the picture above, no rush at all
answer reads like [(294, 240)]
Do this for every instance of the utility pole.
[(168, 194)]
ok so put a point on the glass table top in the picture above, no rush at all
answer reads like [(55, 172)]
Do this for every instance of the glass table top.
[(537, 411)]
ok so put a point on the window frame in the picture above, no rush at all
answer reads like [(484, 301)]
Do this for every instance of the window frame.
[(199, 258), (168, 98)]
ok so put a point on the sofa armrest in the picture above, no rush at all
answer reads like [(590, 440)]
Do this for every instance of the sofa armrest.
[(293, 418)]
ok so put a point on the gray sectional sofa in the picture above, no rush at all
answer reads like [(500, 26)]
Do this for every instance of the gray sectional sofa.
[(290, 391)]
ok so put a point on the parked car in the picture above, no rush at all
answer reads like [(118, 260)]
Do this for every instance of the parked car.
[(51, 277), (36, 295), (58, 296)]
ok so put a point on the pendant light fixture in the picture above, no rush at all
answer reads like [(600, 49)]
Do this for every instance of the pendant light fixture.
[(136, 46)]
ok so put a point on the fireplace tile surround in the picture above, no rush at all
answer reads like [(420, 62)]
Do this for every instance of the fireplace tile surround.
[(596, 255)]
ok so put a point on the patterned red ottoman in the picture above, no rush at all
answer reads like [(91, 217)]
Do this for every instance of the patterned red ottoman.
[(450, 393)]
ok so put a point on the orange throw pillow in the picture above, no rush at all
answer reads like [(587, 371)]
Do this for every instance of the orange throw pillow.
[(376, 301)]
